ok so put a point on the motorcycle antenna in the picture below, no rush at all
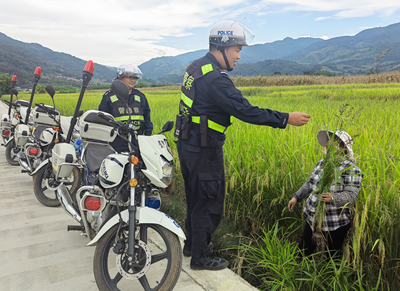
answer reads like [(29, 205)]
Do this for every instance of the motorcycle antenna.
[(13, 82), (36, 78), (87, 75)]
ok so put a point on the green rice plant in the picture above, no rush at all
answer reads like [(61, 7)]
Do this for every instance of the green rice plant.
[(272, 262)]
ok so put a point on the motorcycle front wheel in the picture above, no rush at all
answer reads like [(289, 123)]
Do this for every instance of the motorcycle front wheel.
[(44, 184), (158, 262), (11, 154)]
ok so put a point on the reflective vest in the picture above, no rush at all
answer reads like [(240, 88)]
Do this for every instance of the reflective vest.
[(188, 94), (122, 110)]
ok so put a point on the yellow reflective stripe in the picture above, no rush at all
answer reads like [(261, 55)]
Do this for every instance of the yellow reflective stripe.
[(113, 98), (231, 120), (206, 69), (126, 117), (137, 117), (211, 124), (216, 126), (186, 100)]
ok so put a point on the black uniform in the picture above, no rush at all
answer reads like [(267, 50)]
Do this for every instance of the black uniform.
[(213, 101), (138, 109)]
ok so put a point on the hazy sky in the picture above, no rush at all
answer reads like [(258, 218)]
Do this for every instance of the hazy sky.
[(112, 32)]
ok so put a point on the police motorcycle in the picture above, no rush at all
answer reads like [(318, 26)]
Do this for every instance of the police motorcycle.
[(24, 127), (44, 118), (46, 181), (6, 128), (137, 246), (10, 120), (50, 128), (23, 124)]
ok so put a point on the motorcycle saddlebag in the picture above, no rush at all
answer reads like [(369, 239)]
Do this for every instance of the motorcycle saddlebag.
[(92, 127), (5, 120), (22, 134)]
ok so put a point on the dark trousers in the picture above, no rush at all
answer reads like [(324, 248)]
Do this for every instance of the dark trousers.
[(333, 238), (203, 173)]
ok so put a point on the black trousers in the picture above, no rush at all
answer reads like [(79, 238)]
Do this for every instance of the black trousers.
[(203, 173), (334, 239)]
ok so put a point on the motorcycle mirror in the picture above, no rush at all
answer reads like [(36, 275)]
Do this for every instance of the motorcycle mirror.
[(120, 89), (167, 126), (80, 113), (14, 91), (50, 90)]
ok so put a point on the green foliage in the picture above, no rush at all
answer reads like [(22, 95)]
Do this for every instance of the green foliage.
[(319, 73), (5, 84), (66, 89), (40, 88), (97, 86)]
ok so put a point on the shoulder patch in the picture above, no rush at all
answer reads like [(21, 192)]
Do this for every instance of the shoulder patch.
[(113, 98), (137, 98)]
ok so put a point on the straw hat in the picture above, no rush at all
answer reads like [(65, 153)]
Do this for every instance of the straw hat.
[(323, 136)]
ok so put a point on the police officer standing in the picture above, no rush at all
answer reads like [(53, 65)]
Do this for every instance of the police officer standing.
[(136, 108), (209, 99)]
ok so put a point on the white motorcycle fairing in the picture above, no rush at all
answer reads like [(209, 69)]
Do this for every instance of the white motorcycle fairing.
[(111, 170), (145, 215), (151, 149)]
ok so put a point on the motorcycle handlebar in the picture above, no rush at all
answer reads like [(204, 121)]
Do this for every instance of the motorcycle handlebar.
[(47, 109), (11, 103)]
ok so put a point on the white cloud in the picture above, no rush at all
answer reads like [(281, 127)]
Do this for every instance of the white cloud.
[(112, 32), (321, 18), (339, 8), (109, 31)]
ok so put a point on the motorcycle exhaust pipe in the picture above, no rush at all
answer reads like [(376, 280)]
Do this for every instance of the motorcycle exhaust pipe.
[(23, 161), (66, 201)]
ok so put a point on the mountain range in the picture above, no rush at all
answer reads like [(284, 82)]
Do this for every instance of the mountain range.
[(22, 58), (375, 48)]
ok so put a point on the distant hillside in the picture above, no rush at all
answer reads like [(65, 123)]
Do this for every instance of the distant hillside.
[(347, 55), (270, 67), (22, 58), (354, 54), (165, 68)]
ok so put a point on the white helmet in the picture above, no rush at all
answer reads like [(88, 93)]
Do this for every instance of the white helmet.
[(228, 33), (323, 135), (129, 70)]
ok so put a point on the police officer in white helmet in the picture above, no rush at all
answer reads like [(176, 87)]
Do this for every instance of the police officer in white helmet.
[(209, 100), (135, 107)]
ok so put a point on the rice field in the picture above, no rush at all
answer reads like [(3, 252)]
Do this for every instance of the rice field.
[(265, 166)]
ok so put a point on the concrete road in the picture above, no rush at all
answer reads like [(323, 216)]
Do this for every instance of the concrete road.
[(37, 252)]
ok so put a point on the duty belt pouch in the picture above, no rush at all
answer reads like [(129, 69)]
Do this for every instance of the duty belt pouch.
[(185, 127), (178, 125), (203, 131)]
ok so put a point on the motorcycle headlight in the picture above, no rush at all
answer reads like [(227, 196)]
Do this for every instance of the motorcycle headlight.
[(167, 171)]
